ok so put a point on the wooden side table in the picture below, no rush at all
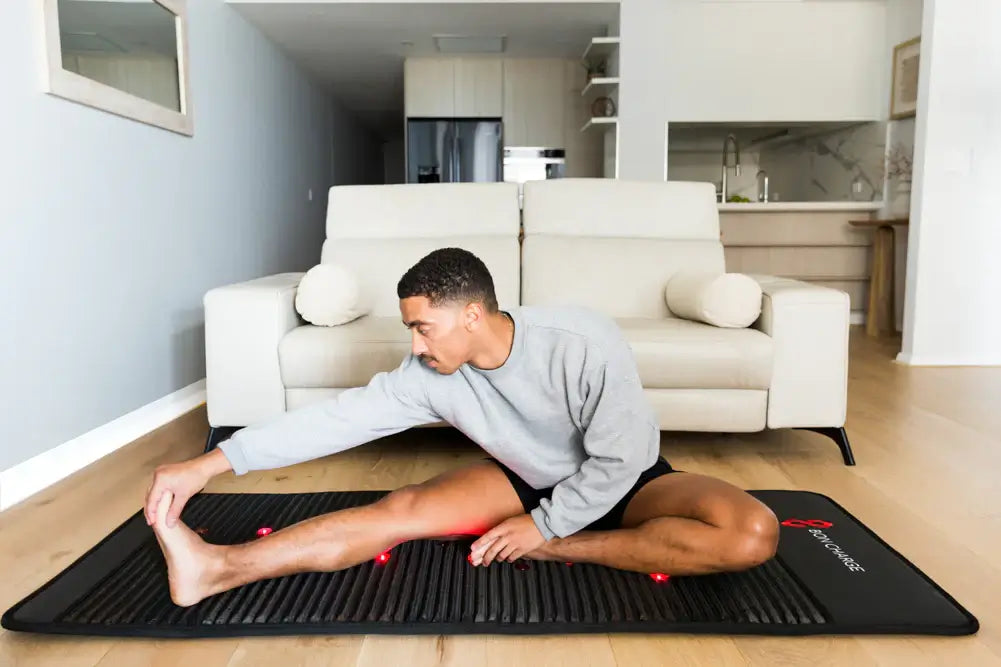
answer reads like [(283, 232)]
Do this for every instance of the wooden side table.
[(881, 317)]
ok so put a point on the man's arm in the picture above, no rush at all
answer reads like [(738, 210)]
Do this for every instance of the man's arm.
[(391, 402), (618, 441)]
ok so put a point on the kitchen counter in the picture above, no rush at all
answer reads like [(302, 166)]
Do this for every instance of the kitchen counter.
[(754, 207), (810, 241)]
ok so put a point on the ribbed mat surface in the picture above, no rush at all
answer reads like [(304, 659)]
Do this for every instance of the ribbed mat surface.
[(427, 586)]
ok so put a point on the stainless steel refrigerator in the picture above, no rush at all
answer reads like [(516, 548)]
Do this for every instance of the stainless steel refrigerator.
[(453, 150)]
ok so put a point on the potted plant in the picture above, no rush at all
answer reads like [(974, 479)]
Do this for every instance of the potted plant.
[(899, 169)]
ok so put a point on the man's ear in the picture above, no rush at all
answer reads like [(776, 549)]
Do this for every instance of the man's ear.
[(473, 315)]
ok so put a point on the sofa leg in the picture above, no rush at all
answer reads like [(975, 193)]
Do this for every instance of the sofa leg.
[(838, 435), (217, 434)]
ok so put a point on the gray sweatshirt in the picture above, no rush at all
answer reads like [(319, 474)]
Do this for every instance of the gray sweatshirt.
[(565, 410)]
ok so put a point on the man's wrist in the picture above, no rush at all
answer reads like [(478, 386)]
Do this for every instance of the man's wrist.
[(214, 463)]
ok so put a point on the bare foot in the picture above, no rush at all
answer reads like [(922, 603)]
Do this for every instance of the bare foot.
[(192, 564)]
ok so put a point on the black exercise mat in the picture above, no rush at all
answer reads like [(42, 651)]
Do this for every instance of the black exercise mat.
[(831, 575)]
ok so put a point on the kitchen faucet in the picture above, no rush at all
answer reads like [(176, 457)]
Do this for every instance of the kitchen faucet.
[(726, 154)]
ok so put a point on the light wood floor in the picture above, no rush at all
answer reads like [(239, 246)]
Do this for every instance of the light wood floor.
[(928, 445)]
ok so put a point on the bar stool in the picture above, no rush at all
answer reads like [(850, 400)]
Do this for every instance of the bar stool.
[(881, 317)]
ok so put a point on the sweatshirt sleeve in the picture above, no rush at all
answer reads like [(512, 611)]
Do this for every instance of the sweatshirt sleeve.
[(621, 440), (391, 402)]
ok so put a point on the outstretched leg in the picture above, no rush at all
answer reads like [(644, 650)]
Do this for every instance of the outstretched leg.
[(680, 523), (468, 500)]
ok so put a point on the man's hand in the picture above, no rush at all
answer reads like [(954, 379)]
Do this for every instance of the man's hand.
[(183, 480), (508, 540)]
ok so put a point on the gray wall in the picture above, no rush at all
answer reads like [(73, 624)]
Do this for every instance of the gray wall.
[(111, 231), (356, 154)]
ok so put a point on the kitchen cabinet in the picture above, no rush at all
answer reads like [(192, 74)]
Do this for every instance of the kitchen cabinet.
[(478, 87), (534, 102), (453, 87), (429, 87), (818, 247)]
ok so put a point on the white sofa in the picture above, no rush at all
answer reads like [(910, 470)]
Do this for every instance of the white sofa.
[(608, 244)]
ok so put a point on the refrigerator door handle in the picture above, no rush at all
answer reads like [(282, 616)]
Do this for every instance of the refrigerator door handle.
[(446, 148)]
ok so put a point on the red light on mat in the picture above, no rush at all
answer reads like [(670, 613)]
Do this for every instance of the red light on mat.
[(659, 576), (261, 532), (383, 557)]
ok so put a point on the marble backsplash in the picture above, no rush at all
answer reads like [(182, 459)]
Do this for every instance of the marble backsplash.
[(809, 164), (843, 165)]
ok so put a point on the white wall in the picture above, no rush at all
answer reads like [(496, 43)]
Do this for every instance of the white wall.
[(111, 230), (644, 56), (903, 21), (687, 60), (952, 314)]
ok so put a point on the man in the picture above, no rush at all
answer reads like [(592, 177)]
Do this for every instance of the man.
[(552, 393)]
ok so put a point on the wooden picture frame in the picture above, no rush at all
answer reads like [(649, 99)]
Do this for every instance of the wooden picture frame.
[(72, 86), (904, 82)]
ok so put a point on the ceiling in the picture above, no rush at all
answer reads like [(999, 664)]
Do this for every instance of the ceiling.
[(357, 49)]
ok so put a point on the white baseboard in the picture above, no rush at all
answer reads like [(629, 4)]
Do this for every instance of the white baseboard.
[(856, 317), (919, 360), (37, 473)]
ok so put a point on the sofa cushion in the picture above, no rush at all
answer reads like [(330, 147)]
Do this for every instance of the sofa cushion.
[(343, 356), (329, 295), (618, 208), (380, 263), (680, 354), (670, 353), (613, 244), (423, 210), (730, 300), (620, 277)]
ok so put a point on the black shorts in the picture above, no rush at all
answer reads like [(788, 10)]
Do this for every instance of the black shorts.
[(613, 518)]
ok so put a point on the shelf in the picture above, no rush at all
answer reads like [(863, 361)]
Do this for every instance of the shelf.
[(600, 47), (600, 81), (610, 120)]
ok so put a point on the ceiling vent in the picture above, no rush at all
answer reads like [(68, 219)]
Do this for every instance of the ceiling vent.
[(470, 43)]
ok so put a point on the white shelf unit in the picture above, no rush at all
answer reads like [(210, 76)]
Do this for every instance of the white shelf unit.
[(605, 49), (609, 120), (599, 82), (599, 48)]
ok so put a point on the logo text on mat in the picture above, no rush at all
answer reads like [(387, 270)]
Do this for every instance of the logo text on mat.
[(814, 526)]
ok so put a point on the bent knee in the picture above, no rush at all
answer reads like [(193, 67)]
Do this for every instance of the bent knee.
[(755, 539), (403, 502)]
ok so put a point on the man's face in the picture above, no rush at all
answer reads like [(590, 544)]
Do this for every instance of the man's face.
[(440, 336)]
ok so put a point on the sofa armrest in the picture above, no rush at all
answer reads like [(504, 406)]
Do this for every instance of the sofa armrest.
[(809, 326), (244, 323)]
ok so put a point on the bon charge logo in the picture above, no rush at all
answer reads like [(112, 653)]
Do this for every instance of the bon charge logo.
[(807, 523), (813, 527)]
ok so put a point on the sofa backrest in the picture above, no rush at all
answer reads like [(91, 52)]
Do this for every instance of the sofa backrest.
[(380, 231), (612, 245)]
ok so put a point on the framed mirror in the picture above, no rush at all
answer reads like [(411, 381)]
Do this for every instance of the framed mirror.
[(127, 57)]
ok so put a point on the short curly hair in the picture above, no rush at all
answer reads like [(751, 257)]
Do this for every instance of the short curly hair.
[(449, 275)]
